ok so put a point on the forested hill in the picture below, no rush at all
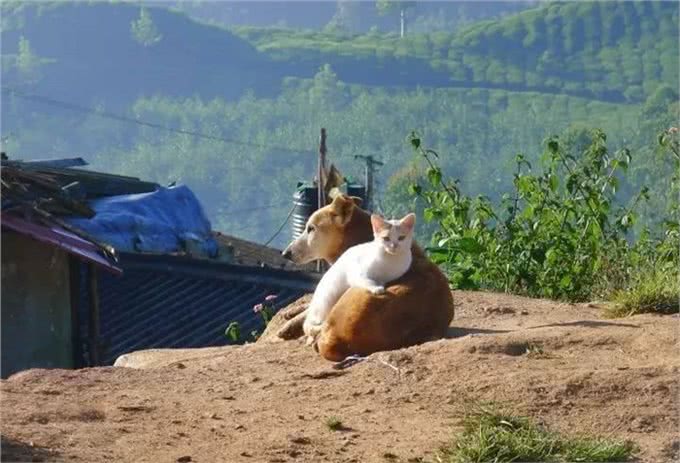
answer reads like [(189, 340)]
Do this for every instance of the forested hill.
[(614, 51), (136, 89), (113, 53)]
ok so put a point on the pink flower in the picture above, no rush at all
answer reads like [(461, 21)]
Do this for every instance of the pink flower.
[(257, 308), (270, 298)]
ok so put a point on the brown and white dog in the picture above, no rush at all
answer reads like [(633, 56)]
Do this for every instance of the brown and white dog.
[(417, 307)]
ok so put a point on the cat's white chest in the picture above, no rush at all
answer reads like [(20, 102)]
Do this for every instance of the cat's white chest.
[(376, 265)]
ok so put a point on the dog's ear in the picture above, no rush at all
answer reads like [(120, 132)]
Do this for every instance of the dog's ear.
[(357, 200), (342, 208)]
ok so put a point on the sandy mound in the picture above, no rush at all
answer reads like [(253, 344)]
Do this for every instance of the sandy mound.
[(269, 402)]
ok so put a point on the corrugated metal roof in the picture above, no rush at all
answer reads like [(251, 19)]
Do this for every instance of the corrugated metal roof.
[(61, 238), (165, 301)]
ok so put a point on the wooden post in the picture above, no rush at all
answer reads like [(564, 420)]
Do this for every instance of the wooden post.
[(322, 168), (320, 182), (74, 289), (93, 322), (369, 170)]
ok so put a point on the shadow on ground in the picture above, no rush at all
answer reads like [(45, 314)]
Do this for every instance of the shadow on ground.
[(12, 450), (457, 332), (586, 324)]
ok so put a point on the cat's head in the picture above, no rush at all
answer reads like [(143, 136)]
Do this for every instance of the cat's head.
[(395, 236)]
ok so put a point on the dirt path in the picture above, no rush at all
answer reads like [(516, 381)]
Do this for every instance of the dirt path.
[(269, 402)]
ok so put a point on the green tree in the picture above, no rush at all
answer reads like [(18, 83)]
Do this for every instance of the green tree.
[(27, 62), (327, 91), (144, 30), (346, 17)]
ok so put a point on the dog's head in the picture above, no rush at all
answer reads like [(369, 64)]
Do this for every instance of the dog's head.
[(325, 235)]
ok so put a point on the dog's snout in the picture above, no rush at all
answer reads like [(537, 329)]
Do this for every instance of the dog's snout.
[(287, 254)]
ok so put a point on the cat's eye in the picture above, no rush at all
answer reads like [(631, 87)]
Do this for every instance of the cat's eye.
[(402, 238), (310, 228), (386, 239)]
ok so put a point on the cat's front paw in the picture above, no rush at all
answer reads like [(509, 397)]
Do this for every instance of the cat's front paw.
[(311, 329), (377, 290)]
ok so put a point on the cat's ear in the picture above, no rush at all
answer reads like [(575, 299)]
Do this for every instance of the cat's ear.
[(408, 221), (378, 223), (342, 208)]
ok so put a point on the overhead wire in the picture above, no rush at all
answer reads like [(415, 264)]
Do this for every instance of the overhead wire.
[(121, 118), (118, 117)]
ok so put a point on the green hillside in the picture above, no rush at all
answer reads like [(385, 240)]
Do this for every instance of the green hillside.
[(478, 97), (615, 51)]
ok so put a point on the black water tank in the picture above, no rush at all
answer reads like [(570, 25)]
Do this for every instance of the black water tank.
[(356, 189), (305, 201)]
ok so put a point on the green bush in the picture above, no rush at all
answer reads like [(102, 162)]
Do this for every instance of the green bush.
[(563, 232)]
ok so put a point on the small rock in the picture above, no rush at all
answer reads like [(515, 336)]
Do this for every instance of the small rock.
[(239, 426), (370, 391), (184, 459), (245, 454), (180, 365), (641, 424), (524, 312), (302, 440)]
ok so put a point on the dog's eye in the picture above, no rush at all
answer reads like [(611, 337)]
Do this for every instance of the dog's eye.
[(402, 237), (310, 228)]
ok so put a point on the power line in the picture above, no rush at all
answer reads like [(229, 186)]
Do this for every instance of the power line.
[(259, 208), (292, 209), (121, 118)]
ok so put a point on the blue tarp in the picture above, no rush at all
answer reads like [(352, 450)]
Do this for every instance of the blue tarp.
[(162, 221)]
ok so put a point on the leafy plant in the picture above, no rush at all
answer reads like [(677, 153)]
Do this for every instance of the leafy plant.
[(333, 423), (562, 233), (233, 331)]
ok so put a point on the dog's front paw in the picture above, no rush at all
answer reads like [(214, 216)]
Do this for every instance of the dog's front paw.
[(377, 290)]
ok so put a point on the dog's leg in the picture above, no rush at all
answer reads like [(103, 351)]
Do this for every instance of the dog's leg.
[(292, 312), (292, 329)]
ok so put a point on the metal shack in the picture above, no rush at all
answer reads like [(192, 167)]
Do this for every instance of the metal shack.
[(97, 265)]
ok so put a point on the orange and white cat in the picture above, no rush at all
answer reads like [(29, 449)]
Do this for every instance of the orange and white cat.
[(368, 265)]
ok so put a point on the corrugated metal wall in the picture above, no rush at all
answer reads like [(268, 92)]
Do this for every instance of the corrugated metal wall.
[(163, 302)]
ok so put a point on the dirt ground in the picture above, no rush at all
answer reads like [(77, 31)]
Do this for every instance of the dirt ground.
[(269, 402)]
